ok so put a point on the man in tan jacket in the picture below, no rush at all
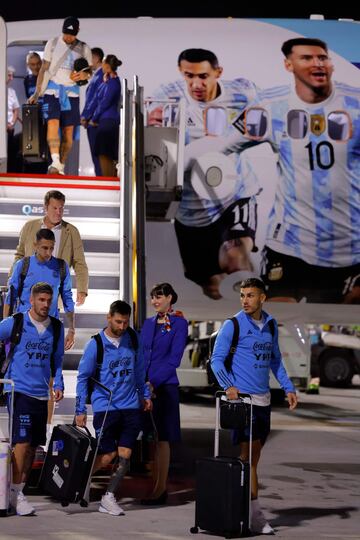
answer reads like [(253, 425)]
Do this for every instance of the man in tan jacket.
[(68, 244)]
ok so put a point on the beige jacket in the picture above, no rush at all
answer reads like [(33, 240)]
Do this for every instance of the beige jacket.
[(71, 249)]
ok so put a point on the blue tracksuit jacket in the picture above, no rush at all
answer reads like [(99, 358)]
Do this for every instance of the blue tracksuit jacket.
[(41, 271), (30, 364), (91, 92), (256, 353), (122, 371)]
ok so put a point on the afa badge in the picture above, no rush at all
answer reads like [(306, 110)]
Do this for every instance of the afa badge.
[(317, 124)]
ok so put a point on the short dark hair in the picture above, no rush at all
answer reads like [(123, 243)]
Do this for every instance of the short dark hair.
[(53, 194), (253, 282), (96, 51), (113, 61), (287, 46), (45, 234), (32, 54), (195, 56), (119, 306), (164, 289), (42, 287)]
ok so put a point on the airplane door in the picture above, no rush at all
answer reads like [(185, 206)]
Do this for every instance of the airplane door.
[(3, 96)]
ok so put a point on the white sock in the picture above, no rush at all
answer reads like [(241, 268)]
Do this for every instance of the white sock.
[(255, 506), (55, 157), (14, 490)]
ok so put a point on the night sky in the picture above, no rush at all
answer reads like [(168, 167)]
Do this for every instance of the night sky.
[(12, 11)]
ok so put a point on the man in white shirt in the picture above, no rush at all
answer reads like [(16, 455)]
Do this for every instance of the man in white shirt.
[(58, 82)]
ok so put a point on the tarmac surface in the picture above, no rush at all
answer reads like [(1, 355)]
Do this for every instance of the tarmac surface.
[(309, 480)]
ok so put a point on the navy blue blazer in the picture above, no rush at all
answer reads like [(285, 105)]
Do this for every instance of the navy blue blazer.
[(161, 363)]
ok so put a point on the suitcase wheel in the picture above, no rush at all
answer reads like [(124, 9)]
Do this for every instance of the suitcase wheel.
[(84, 503), (194, 530), (64, 503)]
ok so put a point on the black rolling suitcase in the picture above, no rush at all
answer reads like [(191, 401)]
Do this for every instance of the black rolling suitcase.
[(66, 473), (222, 504), (34, 143)]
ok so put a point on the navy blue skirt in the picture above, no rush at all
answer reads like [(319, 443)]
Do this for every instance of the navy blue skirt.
[(107, 139), (166, 414)]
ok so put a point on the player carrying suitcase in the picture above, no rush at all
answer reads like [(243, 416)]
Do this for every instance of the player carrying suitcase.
[(36, 353), (121, 369), (256, 353)]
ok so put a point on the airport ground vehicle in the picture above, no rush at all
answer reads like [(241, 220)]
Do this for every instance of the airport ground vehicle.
[(335, 355)]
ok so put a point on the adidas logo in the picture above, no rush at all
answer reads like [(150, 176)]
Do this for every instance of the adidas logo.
[(70, 27), (238, 227), (249, 332), (190, 122)]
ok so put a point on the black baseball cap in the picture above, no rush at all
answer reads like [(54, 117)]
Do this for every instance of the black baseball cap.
[(71, 26)]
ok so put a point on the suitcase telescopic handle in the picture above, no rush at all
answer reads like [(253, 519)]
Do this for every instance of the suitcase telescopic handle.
[(11, 408), (107, 410), (103, 387)]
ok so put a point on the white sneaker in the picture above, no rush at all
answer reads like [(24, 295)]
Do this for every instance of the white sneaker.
[(267, 529), (56, 168), (259, 524), (108, 505), (23, 507)]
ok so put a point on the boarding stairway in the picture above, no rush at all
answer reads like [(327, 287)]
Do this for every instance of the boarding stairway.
[(92, 205), (110, 216)]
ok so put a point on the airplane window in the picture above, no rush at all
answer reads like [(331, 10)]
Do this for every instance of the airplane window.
[(297, 124), (213, 176), (256, 122), (339, 126), (215, 121)]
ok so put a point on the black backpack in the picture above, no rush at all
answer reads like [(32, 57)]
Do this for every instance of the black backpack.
[(212, 380), (100, 358), (23, 274), (14, 340)]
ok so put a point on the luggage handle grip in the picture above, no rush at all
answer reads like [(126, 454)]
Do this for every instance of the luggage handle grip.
[(241, 395), (8, 381), (82, 427)]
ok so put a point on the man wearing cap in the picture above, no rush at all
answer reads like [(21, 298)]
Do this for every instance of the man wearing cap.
[(59, 84)]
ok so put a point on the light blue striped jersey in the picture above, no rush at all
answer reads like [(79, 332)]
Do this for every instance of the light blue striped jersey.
[(234, 95), (316, 212)]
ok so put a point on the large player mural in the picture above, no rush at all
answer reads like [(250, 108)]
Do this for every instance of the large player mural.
[(271, 182), (288, 212)]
